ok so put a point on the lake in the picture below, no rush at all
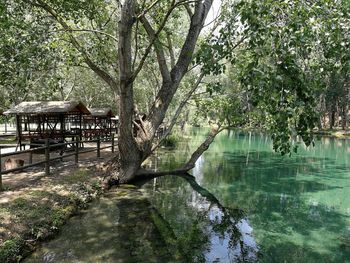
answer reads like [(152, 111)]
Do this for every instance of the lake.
[(246, 204)]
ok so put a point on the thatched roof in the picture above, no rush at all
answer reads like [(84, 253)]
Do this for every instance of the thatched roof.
[(101, 112), (48, 107)]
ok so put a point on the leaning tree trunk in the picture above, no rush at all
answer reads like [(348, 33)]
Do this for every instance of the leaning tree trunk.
[(130, 155), (135, 150)]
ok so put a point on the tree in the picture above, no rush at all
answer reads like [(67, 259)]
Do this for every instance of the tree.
[(26, 56), (154, 17), (272, 47), (134, 151), (282, 61)]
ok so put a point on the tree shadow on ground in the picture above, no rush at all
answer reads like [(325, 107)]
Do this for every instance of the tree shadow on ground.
[(117, 228)]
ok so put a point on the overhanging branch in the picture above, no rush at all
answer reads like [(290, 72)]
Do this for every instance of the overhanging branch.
[(88, 30), (179, 110), (99, 71), (202, 148)]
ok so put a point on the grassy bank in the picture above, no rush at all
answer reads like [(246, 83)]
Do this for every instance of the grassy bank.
[(37, 213), (8, 140), (335, 133)]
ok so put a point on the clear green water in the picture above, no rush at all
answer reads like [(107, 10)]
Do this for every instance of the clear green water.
[(298, 208), (249, 205)]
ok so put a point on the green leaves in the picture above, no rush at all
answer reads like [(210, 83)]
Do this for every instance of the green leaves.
[(35, 51), (24, 50), (286, 73), (283, 53)]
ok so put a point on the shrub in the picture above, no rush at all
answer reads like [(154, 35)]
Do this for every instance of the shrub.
[(171, 141)]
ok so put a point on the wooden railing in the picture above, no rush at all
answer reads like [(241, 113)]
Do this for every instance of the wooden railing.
[(46, 148)]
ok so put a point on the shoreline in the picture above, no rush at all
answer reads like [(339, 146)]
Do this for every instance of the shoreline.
[(33, 214)]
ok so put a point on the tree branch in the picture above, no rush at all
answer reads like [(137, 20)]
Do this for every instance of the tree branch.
[(136, 44), (168, 90), (202, 148), (189, 10), (179, 110), (153, 39), (171, 50), (145, 11), (158, 49), (88, 30), (100, 72)]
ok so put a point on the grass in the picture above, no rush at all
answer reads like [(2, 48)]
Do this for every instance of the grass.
[(10, 140), (80, 175), (38, 214), (41, 212), (10, 250)]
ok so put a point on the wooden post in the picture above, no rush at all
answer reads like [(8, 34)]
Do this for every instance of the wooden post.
[(18, 132), (80, 126), (112, 134), (77, 149), (98, 146), (0, 174), (47, 157)]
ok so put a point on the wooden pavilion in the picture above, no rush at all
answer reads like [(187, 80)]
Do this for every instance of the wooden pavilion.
[(55, 120), (99, 123)]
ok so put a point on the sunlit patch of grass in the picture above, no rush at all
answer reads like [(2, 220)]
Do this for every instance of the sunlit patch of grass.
[(10, 140), (79, 176), (41, 211), (10, 250)]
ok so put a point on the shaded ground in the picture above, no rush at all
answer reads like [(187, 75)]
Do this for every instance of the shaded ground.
[(34, 206)]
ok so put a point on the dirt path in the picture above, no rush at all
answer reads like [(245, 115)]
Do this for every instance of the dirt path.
[(31, 176)]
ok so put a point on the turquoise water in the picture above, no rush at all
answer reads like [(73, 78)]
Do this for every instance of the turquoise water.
[(295, 209), (246, 204)]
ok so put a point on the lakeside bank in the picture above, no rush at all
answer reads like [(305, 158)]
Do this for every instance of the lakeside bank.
[(34, 207)]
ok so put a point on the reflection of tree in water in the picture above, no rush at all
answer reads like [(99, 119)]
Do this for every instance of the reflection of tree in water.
[(298, 207), (228, 225), (202, 228), (126, 226), (117, 228)]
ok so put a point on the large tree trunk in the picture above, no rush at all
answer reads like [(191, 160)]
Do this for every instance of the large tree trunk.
[(130, 155), (133, 151)]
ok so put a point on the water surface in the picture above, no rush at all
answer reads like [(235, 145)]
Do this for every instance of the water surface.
[(298, 207), (247, 204)]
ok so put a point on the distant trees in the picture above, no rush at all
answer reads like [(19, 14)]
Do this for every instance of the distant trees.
[(37, 62)]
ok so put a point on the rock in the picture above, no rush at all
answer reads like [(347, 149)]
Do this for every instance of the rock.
[(108, 182), (12, 163)]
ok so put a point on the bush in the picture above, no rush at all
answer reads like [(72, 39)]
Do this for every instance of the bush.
[(171, 141), (10, 250)]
